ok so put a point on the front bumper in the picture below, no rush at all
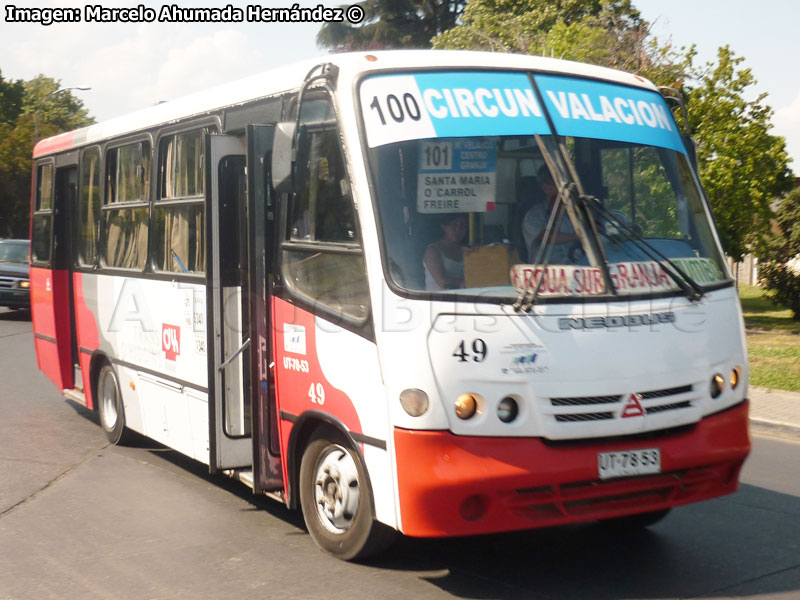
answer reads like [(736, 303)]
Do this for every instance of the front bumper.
[(524, 483), (15, 297)]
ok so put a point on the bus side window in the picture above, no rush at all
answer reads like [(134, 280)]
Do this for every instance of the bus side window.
[(179, 214), (42, 242), (322, 214), (89, 208), (126, 213)]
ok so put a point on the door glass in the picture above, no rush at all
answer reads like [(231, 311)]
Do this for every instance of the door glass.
[(233, 287)]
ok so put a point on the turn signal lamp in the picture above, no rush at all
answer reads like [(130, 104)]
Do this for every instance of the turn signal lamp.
[(466, 406), (414, 402), (717, 385), (736, 376)]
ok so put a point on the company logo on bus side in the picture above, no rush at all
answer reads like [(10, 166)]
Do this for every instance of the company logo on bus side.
[(171, 340)]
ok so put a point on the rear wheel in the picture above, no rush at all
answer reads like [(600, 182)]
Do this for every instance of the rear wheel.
[(112, 411), (336, 500)]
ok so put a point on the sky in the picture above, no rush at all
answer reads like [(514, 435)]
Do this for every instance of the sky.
[(133, 65)]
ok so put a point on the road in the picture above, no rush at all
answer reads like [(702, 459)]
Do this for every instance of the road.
[(82, 519)]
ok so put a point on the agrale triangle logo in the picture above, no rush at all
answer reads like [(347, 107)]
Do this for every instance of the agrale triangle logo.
[(633, 408)]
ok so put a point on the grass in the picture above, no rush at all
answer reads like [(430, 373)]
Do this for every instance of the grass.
[(760, 313), (774, 360), (773, 341)]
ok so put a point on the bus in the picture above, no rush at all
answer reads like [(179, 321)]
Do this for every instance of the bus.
[(428, 292)]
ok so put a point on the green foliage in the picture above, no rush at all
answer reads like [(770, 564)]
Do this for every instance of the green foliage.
[(742, 167), (11, 93), (779, 269), (19, 104), (392, 24), (599, 31)]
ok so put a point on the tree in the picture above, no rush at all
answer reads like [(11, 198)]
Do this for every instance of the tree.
[(11, 93), (524, 26), (19, 104), (779, 269), (392, 24), (742, 166)]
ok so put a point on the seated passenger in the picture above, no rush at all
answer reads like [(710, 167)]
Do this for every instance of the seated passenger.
[(444, 259), (562, 241)]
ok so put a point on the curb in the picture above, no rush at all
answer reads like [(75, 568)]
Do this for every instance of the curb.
[(775, 428)]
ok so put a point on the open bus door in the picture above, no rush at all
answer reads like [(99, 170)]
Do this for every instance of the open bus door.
[(229, 401), (242, 419), (262, 211)]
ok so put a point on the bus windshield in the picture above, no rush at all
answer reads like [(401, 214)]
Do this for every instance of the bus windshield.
[(464, 194)]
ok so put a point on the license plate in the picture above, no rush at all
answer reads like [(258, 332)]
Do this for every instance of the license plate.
[(626, 463)]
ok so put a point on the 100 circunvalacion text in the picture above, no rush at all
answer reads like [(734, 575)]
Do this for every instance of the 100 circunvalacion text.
[(173, 13)]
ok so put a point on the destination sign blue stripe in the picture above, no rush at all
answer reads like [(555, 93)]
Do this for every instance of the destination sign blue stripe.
[(481, 103), (591, 109)]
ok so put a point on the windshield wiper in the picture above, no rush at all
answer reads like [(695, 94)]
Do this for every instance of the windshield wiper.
[(571, 198), (543, 254), (692, 290)]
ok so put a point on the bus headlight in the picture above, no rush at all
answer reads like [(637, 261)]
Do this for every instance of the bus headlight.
[(736, 377), (507, 410), (716, 386), (25, 284), (414, 402), (466, 406)]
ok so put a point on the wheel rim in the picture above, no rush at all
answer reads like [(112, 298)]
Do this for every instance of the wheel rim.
[(108, 398), (337, 490)]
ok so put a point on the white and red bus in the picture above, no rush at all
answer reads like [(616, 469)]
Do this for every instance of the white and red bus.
[(440, 293)]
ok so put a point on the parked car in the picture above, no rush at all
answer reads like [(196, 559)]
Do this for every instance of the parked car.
[(15, 273)]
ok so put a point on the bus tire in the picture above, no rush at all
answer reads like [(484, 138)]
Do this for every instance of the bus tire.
[(110, 406), (640, 521), (336, 499)]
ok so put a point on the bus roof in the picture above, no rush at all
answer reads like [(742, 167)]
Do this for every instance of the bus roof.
[(290, 77)]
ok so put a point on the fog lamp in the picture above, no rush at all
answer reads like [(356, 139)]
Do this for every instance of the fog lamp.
[(736, 377), (414, 402), (507, 410), (717, 385), (474, 507), (466, 406)]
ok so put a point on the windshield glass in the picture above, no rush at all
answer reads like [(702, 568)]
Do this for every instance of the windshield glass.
[(14, 252), (464, 195)]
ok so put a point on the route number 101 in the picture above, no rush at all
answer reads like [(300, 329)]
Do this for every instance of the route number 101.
[(437, 156), (397, 108)]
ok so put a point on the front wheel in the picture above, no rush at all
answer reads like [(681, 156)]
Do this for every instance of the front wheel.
[(337, 502), (112, 411)]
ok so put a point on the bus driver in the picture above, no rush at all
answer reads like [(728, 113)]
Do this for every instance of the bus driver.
[(535, 221)]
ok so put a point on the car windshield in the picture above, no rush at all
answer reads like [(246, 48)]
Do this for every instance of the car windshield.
[(14, 251), (464, 199)]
